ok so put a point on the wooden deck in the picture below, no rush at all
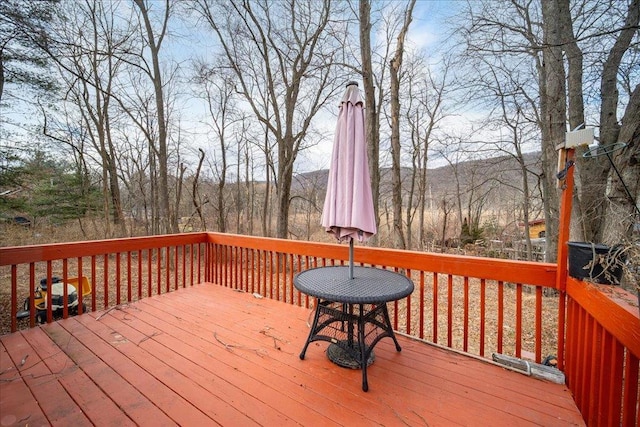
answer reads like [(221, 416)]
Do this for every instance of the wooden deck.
[(208, 355)]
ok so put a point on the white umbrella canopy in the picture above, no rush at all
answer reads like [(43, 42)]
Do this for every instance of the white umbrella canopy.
[(348, 206)]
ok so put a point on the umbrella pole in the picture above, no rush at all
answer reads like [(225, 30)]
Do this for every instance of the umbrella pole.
[(351, 258)]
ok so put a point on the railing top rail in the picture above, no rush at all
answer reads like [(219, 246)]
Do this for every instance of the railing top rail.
[(532, 273), (12, 255)]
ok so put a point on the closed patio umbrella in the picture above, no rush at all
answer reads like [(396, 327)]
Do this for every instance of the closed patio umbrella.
[(348, 206)]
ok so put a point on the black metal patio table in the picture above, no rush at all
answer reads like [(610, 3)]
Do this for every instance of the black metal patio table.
[(346, 306)]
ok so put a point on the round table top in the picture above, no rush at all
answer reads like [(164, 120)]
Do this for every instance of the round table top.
[(368, 286)]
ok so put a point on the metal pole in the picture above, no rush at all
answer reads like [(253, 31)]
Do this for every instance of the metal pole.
[(351, 258)]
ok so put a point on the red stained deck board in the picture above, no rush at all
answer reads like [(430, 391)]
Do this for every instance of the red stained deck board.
[(270, 381), (50, 395), (17, 404), (97, 406), (343, 401), (198, 369), (140, 409), (453, 397), (488, 406), (211, 355), (147, 375)]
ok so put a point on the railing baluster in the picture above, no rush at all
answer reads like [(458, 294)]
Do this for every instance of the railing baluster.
[(65, 292), (176, 265), (538, 325), (580, 355), (184, 250), (586, 366), (465, 338), (118, 282), (607, 353), (263, 273), (594, 373), (14, 297), (129, 282), (449, 310), (482, 315), (421, 307), (49, 287), (436, 284), (139, 272), (518, 342), (32, 290), (192, 259), (235, 267), (253, 271), (149, 272), (208, 249), (105, 280), (408, 309), (159, 270), (630, 414), (270, 266), (224, 271), (278, 282), (500, 338), (571, 342), (79, 289), (167, 266)]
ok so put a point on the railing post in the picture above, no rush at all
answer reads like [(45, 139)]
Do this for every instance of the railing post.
[(564, 225)]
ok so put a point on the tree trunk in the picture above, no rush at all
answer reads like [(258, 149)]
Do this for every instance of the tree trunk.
[(266, 229), (195, 194), (621, 209), (396, 179), (168, 223), (283, 191), (553, 113), (372, 126)]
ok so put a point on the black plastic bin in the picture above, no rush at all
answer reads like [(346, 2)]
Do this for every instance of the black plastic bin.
[(607, 267)]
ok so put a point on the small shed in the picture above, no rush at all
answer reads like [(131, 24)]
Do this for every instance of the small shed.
[(537, 228)]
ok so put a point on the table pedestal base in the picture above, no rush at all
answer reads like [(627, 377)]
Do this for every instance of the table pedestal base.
[(354, 329), (341, 357)]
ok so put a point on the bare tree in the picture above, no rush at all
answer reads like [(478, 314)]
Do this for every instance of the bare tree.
[(607, 204), (244, 188), (153, 41), (88, 66), (282, 55), (424, 112), (196, 197), (218, 88), (395, 66), (566, 43), (513, 115), (372, 124)]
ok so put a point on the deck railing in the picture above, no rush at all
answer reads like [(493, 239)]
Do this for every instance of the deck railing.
[(119, 270), (476, 305), (603, 348)]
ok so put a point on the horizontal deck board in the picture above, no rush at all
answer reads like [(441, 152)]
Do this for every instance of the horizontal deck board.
[(209, 355)]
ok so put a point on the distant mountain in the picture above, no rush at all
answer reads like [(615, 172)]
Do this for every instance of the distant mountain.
[(495, 172)]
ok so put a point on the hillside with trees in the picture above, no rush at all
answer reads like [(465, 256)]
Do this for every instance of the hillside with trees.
[(54, 195)]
